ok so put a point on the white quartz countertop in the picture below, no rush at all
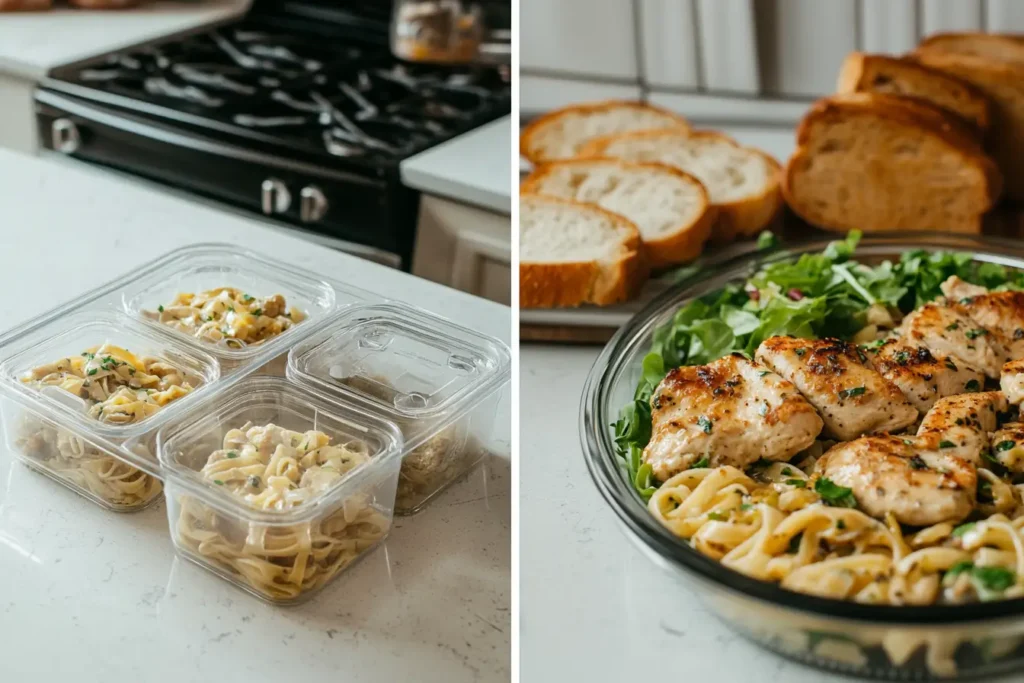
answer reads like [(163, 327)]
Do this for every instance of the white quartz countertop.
[(472, 168), (32, 43), (94, 596), (592, 607)]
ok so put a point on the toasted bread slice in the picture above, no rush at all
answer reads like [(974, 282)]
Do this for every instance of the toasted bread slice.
[(882, 162), (1003, 83), (898, 76), (572, 253), (669, 207), (997, 46), (560, 134), (742, 182)]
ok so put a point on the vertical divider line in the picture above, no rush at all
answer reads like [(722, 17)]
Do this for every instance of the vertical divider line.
[(638, 49), (698, 48), (858, 24)]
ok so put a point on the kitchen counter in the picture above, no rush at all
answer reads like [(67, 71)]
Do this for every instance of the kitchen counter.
[(32, 43), (94, 596), (592, 607), (472, 168)]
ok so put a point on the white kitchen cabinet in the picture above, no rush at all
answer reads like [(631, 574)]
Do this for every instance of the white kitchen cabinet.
[(539, 94), (586, 37), (950, 15), (888, 26), (668, 43), (728, 48), (464, 247), (1004, 16), (801, 44)]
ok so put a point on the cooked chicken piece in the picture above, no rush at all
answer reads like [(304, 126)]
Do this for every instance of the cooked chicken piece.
[(1012, 381), (732, 412), (922, 376), (834, 376), (1008, 447), (1000, 313), (947, 331), (895, 474), (960, 425)]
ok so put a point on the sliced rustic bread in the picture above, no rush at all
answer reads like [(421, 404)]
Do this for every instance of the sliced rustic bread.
[(1000, 47), (742, 183), (561, 133), (1003, 84), (572, 253), (899, 76), (880, 162), (670, 208)]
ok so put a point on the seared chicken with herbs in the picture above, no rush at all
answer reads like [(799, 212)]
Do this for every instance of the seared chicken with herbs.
[(729, 412)]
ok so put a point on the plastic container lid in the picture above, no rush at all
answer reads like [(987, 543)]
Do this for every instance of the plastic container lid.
[(413, 367), (184, 447)]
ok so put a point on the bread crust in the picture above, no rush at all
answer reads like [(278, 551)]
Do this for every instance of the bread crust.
[(992, 77), (527, 134), (854, 76), (739, 218), (682, 244), (570, 284), (951, 42), (904, 111)]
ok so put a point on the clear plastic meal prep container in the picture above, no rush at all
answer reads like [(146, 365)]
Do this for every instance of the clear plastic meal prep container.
[(893, 642), (286, 555), (440, 383), (114, 312), (51, 429)]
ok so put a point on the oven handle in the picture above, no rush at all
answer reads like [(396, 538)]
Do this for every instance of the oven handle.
[(197, 143)]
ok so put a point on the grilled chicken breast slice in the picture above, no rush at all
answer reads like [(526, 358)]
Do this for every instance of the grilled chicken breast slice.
[(959, 425), (1000, 313), (892, 474), (1008, 447), (731, 411), (1012, 381), (921, 375), (946, 331), (834, 377)]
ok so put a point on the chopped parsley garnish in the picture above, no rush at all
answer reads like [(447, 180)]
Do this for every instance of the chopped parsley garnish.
[(833, 494), (717, 516), (953, 326), (972, 385), (704, 423), (160, 308), (746, 506), (703, 462), (851, 392), (975, 333), (901, 357), (798, 483), (218, 482), (787, 471), (966, 300), (908, 442), (232, 454), (946, 444), (963, 529), (246, 298), (764, 372), (988, 582), (950, 364), (93, 371), (258, 312), (917, 463), (1005, 445)]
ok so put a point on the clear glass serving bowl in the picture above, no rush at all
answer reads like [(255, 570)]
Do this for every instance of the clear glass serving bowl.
[(889, 642)]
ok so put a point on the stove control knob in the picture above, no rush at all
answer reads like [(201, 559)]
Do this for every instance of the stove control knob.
[(312, 204), (64, 136), (275, 196)]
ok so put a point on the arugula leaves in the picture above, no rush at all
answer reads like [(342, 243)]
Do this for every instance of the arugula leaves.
[(813, 296)]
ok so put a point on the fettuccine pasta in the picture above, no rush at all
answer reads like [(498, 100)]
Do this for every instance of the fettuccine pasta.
[(272, 468), (771, 525), (116, 387), (228, 316)]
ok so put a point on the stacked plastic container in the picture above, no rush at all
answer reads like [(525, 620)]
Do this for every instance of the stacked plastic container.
[(412, 396)]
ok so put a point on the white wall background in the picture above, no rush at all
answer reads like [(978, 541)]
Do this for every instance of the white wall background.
[(739, 61)]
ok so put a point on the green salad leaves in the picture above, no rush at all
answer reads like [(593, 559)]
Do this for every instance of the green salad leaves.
[(813, 296)]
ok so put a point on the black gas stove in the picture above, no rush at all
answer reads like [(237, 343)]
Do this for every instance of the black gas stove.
[(298, 111)]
